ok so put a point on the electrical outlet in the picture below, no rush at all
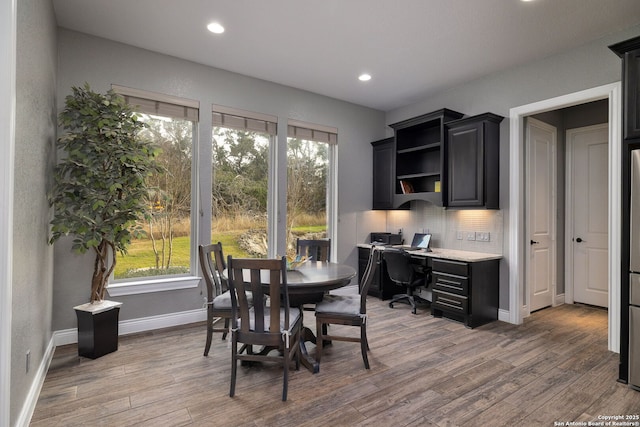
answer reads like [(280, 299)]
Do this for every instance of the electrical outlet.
[(471, 236), (486, 237), (482, 236), (460, 235)]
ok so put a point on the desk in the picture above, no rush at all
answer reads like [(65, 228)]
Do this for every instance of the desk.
[(465, 284), (307, 285)]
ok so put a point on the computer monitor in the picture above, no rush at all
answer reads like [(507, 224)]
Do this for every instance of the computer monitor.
[(421, 241)]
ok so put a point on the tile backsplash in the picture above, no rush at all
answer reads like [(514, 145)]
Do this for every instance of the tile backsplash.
[(470, 230)]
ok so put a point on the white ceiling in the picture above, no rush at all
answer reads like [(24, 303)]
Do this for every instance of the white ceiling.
[(412, 48)]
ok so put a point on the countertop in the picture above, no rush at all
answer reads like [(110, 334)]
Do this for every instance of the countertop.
[(452, 254)]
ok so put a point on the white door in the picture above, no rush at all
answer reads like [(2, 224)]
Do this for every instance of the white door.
[(588, 151), (541, 213)]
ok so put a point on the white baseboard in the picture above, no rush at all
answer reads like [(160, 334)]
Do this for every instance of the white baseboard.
[(504, 315), (132, 326), (24, 418)]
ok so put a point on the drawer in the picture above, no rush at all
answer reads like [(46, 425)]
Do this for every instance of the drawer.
[(450, 302), (451, 283), (363, 253), (452, 267)]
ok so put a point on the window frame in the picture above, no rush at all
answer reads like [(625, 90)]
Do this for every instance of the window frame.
[(328, 135), (142, 285), (276, 198)]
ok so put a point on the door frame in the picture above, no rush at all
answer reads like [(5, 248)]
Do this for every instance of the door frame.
[(8, 31), (569, 213), (517, 239), (553, 202)]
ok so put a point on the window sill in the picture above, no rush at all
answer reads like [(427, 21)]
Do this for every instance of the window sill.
[(152, 285)]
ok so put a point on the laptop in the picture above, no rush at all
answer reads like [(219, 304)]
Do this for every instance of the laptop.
[(420, 242)]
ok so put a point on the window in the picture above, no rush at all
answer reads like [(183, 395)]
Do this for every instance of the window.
[(241, 147), (310, 183), (165, 248)]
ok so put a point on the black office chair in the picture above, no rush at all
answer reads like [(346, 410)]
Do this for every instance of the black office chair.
[(402, 272)]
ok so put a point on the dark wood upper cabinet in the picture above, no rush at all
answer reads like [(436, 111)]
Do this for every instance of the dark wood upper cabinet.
[(383, 173), (440, 158), (419, 157), (473, 162), (629, 51)]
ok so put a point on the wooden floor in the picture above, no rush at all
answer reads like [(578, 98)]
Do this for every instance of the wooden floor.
[(424, 371)]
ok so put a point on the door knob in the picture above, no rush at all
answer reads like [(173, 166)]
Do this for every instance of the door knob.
[(579, 240), (533, 242)]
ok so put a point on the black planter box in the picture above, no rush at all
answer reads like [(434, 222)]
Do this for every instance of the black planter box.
[(97, 328)]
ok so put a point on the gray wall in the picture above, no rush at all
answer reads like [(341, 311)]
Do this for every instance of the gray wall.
[(34, 145), (585, 67), (101, 63)]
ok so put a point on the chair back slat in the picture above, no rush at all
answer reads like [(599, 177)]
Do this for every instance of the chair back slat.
[(209, 257), (263, 278), (318, 250)]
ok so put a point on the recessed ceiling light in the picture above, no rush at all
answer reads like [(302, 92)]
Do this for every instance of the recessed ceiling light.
[(215, 28), (364, 77)]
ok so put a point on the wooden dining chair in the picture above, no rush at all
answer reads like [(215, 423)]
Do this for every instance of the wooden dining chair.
[(218, 297), (318, 250), (273, 325), (348, 310)]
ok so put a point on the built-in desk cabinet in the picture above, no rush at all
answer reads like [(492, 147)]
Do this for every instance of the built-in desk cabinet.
[(465, 291), (473, 162)]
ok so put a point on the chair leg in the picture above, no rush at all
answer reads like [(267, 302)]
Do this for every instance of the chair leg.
[(364, 344), (207, 346), (286, 373), (397, 298), (226, 326), (234, 364), (412, 301), (320, 331)]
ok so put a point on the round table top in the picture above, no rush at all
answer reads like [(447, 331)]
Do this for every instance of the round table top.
[(308, 283), (319, 276)]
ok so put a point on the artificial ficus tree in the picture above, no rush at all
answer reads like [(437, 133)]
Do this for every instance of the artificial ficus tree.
[(99, 189)]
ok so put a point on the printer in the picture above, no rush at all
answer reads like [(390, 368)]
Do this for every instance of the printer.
[(386, 239)]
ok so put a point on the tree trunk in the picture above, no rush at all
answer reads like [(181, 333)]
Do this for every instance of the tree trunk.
[(102, 270)]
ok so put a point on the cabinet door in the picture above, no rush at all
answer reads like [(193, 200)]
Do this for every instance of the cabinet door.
[(383, 173), (465, 160), (632, 94)]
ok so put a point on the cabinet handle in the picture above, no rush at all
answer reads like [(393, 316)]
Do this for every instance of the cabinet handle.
[(448, 282), (533, 242), (450, 301), (454, 286)]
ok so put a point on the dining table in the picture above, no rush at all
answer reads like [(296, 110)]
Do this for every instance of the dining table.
[(307, 284)]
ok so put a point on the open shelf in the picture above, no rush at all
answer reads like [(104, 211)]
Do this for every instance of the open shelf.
[(419, 157)]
